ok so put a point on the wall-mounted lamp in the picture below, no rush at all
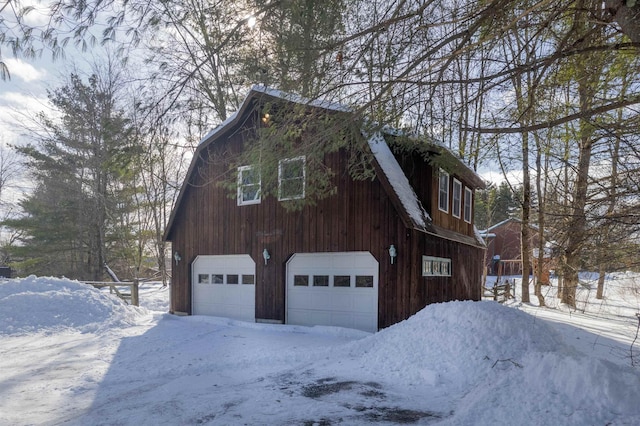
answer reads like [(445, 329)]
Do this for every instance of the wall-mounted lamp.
[(266, 256), (393, 253), (177, 257)]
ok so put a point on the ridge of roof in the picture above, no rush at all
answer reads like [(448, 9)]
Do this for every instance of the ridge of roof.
[(291, 97), (279, 94)]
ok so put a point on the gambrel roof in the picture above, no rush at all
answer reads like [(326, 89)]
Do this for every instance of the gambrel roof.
[(387, 168)]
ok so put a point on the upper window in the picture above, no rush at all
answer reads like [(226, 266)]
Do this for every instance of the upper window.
[(249, 185), (457, 198), (291, 178), (443, 192), (468, 203)]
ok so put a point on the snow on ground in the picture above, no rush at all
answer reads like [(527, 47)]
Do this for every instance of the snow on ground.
[(70, 354)]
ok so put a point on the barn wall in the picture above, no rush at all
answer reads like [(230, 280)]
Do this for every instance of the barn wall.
[(411, 291), (360, 218)]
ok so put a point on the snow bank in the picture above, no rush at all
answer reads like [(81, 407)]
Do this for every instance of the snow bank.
[(35, 304), (456, 363), (453, 341), (486, 354)]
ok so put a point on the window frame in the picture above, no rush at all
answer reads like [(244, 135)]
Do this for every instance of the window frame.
[(433, 266), (241, 186), (468, 201), (443, 196), (341, 281), (364, 281), (302, 158), (456, 212)]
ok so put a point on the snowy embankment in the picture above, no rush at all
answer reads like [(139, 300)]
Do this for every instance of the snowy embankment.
[(75, 355)]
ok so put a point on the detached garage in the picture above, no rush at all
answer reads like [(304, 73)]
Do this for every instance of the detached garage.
[(337, 289), (224, 286), (259, 244)]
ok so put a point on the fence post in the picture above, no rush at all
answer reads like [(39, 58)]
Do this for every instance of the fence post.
[(134, 293)]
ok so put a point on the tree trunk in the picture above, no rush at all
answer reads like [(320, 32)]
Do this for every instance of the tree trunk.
[(601, 276), (541, 223), (578, 222), (560, 274), (588, 74), (603, 247), (526, 213), (570, 282)]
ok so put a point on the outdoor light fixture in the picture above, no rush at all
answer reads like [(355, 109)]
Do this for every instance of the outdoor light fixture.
[(266, 256), (266, 118), (177, 257), (393, 253)]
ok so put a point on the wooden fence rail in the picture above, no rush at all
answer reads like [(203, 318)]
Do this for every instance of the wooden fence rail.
[(131, 297), (500, 292)]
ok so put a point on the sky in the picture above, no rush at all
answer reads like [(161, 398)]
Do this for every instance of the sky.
[(22, 96), (25, 91), (75, 355)]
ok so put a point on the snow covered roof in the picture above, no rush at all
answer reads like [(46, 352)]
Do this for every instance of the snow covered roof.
[(398, 180), (499, 224), (221, 126), (279, 94), (318, 103)]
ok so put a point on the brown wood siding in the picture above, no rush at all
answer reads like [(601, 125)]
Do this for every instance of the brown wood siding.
[(211, 223), (361, 217), (425, 180), (446, 219), (406, 291)]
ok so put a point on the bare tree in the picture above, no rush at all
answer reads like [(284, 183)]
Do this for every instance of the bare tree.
[(10, 169)]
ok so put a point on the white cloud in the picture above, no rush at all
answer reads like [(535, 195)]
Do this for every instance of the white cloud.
[(23, 70), (17, 111), (37, 17), (22, 103)]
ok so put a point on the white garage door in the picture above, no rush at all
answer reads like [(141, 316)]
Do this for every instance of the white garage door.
[(224, 286), (337, 289)]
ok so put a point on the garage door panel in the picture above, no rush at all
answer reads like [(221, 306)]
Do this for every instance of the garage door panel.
[(354, 307), (342, 302), (228, 298), (309, 317), (362, 322)]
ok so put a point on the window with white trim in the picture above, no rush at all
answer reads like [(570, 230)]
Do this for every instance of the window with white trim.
[(436, 266), (249, 185), (443, 192), (456, 202), (291, 178), (468, 204)]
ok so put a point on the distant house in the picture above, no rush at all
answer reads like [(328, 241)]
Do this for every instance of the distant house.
[(504, 249), (371, 255)]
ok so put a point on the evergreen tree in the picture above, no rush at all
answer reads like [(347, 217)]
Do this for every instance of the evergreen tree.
[(495, 204), (293, 50), (72, 222)]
